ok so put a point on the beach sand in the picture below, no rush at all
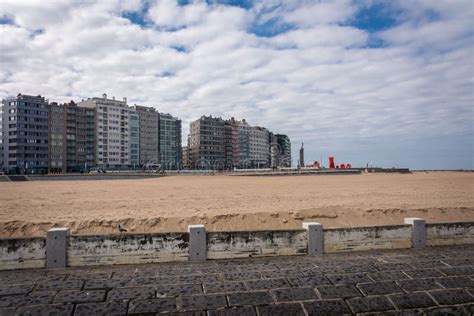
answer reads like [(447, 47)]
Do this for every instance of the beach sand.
[(233, 203)]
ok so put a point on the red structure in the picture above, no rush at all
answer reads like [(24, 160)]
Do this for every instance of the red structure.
[(343, 166), (331, 163)]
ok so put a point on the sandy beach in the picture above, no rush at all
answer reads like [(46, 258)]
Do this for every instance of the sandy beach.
[(233, 203)]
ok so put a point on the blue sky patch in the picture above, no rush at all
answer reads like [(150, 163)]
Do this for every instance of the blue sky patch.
[(244, 4), (138, 17), (374, 18), (5, 19), (271, 28)]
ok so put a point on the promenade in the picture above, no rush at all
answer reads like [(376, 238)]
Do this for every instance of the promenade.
[(436, 280)]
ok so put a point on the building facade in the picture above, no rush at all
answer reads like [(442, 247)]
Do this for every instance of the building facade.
[(113, 148), (57, 138), (259, 144), (25, 134), (284, 145), (149, 135), (244, 145), (71, 138), (134, 126), (207, 143), (169, 141)]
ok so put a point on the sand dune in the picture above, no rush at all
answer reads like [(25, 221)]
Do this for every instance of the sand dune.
[(233, 203)]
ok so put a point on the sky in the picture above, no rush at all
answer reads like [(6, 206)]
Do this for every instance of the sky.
[(384, 82)]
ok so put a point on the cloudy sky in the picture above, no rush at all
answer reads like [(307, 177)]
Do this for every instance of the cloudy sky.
[(388, 83)]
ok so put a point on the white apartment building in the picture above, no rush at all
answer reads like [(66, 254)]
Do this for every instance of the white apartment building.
[(259, 145), (113, 148)]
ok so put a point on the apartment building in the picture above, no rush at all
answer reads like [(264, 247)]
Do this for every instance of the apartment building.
[(259, 145), (134, 126), (244, 145), (284, 145), (25, 134), (113, 147), (71, 138), (149, 134), (170, 141), (1, 137), (207, 143)]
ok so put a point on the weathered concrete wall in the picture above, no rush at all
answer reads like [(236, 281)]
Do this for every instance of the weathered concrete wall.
[(127, 249), (22, 253), (443, 234), (367, 238), (222, 245)]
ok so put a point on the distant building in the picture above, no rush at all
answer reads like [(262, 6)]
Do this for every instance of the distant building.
[(284, 145), (207, 143), (185, 162), (134, 125), (113, 148), (149, 134), (259, 144), (244, 145), (71, 138), (25, 134), (169, 141), (1, 138)]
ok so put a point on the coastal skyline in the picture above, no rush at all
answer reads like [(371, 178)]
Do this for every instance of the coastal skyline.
[(384, 83)]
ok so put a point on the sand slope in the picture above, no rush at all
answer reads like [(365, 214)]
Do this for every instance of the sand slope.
[(233, 203)]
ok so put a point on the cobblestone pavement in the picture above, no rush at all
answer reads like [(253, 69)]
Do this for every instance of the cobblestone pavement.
[(434, 281)]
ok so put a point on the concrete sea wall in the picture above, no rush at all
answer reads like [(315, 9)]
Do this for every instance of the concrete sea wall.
[(132, 248)]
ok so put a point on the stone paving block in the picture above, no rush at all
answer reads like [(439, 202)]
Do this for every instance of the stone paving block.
[(428, 264), (240, 276), (56, 309), (224, 287), (131, 293), (369, 304), (250, 298), (387, 276), (197, 302), (469, 308), (7, 311), (59, 285), (393, 266), (234, 311), (33, 298), (423, 273), (309, 271), (79, 296), (314, 280), (467, 270), (173, 290), (187, 313), (452, 296), (443, 311), (294, 309), (456, 282), (379, 288), (152, 305), (97, 284), (265, 284), (419, 284), (459, 262), (411, 300), (292, 294), (109, 308), (281, 274), (327, 307), (351, 278), (7, 289), (338, 291)]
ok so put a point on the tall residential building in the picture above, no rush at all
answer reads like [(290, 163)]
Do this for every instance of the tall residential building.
[(284, 144), (244, 145), (25, 134), (185, 163), (170, 141), (113, 148), (259, 147), (57, 138), (207, 143), (1, 137), (71, 137), (134, 126), (149, 134)]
